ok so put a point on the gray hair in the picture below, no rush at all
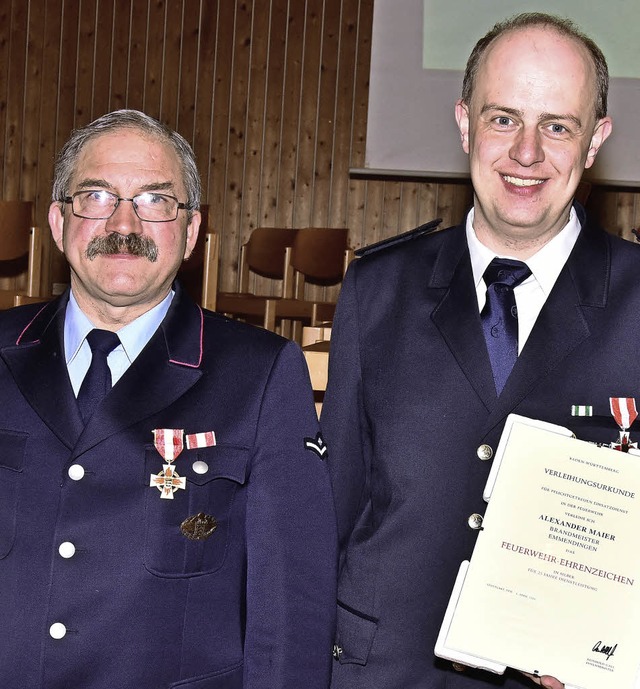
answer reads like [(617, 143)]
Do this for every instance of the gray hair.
[(126, 119), (565, 27)]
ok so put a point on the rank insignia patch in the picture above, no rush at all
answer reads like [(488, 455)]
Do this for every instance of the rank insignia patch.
[(316, 445)]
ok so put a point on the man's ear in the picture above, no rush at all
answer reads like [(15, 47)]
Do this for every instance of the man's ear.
[(56, 223), (600, 135), (462, 118), (193, 229)]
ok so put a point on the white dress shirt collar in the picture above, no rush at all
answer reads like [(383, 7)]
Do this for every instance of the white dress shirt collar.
[(545, 264)]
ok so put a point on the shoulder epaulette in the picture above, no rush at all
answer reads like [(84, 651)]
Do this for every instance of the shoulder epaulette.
[(399, 238)]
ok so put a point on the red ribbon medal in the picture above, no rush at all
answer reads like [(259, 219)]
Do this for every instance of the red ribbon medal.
[(195, 440), (169, 442), (625, 413)]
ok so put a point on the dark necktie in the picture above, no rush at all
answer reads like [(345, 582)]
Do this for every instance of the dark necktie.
[(500, 316), (97, 382)]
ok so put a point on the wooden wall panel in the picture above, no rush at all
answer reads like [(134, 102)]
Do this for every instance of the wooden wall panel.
[(272, 94), (287, 153)]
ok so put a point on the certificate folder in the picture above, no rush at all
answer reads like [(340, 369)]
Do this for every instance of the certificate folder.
[(553, 585)]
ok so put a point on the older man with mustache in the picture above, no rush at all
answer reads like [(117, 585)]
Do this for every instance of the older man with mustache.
[(165, 520)]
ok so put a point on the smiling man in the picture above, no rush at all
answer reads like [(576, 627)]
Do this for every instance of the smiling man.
[(165, 517), (525, 308)]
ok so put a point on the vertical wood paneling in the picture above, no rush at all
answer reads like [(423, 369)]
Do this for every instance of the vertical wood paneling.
[(101, 59), (322, 171), (272, 94), (236, 135), (308, 112), (171, 61), (68, 63), (343, 112), (189, 49), (5, 81), (154, 57), (138, 16), (287, 182), (15, 101), (357, 201), (121, 37), (51, 16), (269, 159), (85, 76), (254, 120), (204, 102), (31, 111)]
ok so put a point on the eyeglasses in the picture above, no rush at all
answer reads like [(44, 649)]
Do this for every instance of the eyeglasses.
[(99, 204)]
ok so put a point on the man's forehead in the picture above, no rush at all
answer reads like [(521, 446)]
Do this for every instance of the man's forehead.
[(129, 152), (537, 62), (533, 40)]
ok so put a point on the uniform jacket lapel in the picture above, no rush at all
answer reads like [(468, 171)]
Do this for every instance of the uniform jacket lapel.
[(573, 311), (457, 317), (165, 369), (38, 366)]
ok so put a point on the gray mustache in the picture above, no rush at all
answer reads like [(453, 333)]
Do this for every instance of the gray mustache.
[(115, 243)]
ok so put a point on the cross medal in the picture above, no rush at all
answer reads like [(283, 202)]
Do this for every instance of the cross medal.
[(169, 442), (623, 410)]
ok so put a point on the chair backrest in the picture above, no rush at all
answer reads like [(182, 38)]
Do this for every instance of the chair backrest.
[(15, 225), (318, 254), (265, 250), (19, 240), (265, 254)]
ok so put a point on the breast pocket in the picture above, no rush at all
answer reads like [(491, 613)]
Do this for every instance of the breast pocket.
[(189, 534), (12, 451)]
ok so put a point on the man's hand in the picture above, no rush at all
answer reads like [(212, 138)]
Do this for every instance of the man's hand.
[(545, 681)]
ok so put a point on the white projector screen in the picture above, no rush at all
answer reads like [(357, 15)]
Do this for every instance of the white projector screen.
[(419, 49)]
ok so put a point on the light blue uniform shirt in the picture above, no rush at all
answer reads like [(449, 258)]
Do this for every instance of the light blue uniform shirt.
[(133, 338)]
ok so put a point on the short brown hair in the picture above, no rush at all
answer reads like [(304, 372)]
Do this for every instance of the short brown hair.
[(564, 27)]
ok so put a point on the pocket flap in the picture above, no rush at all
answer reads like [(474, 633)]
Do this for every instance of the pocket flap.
[(218, 461), (12, 447), (354, 636)]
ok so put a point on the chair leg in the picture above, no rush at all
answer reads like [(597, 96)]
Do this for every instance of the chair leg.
[(270, 315)]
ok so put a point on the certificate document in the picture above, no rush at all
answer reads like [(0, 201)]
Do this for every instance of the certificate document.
[(553, 586)]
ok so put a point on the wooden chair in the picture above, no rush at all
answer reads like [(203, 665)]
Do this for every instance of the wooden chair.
[(20, 244), (210, 270), (320, 256), (264, 254)]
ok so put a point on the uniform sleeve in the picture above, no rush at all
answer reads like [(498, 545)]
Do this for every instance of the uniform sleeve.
[(344, 419), (291, 539)]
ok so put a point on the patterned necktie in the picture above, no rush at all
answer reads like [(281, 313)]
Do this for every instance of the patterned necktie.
[(500, 316), (97, 381)]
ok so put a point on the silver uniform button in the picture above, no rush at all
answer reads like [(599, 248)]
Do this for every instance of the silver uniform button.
[(200, 467), (76, 472), (337, 651), (67, 550), (484, 452), (57, 630), (475, 521)]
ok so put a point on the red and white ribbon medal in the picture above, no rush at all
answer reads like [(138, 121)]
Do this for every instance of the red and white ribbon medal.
[(623, 410), (196, 440), (169, 442)]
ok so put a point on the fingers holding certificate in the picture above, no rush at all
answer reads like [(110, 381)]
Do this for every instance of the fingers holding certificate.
[(557, 543)]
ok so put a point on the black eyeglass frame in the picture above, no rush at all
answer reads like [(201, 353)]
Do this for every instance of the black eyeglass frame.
[(69, 200)]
